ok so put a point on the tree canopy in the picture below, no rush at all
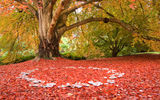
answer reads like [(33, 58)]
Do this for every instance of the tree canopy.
[(29, 23)]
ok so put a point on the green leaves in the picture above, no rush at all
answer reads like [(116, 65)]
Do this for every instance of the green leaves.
[(115, 32)]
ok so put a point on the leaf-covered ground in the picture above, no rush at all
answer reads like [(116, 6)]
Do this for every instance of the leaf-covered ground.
[(128, 78)]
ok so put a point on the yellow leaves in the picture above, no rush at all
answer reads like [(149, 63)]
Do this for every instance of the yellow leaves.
[(135, 34), (19, 34), (155, 46), (101, 22)]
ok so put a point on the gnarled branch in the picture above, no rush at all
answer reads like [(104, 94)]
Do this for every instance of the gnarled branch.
[(66, 28), (84, 22), (106, 20), (55, 18)]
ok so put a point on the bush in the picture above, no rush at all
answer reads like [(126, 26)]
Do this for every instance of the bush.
[(73, 56), (24, 58), (18, 60)]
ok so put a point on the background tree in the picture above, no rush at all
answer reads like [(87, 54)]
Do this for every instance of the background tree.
[(55, 17), (140, 15), (112, 42), (52, 16), (19, 35)]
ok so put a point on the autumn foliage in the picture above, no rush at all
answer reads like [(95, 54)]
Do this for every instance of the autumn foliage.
[(36, 27), (58, 17), (139, 81)]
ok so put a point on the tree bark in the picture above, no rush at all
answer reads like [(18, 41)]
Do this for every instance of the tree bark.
[(49, 50), (115, 52)]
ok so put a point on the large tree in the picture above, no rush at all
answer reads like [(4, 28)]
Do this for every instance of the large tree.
[(52, 17)]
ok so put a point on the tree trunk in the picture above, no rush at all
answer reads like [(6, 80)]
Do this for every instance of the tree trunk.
[(47, 49), (115, 52)]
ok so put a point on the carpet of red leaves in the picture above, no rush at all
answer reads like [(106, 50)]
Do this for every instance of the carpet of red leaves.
[(141, 79)]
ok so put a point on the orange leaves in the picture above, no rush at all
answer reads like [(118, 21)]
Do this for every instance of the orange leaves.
[(22, 7), (132, 6), (8, 6)]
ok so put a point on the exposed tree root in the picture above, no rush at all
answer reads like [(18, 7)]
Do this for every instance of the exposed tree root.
[(53, 58), (36, 59)]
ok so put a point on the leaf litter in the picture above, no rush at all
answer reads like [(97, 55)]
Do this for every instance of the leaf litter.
[(129, 77)]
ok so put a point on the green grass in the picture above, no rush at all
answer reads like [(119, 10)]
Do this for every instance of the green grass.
[(147, 53)]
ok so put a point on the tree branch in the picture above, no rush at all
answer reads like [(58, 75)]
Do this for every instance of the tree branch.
[(55, 18), (141, 7), (48, 2), (70, 10), (31, 8), (121, 8), (102, 38), (111, 15), (150, 38), (115, 20), (126, 26), (106, 20), (84, 22)]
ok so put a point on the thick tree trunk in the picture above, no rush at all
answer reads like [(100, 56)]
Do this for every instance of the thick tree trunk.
[(49, 50)]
